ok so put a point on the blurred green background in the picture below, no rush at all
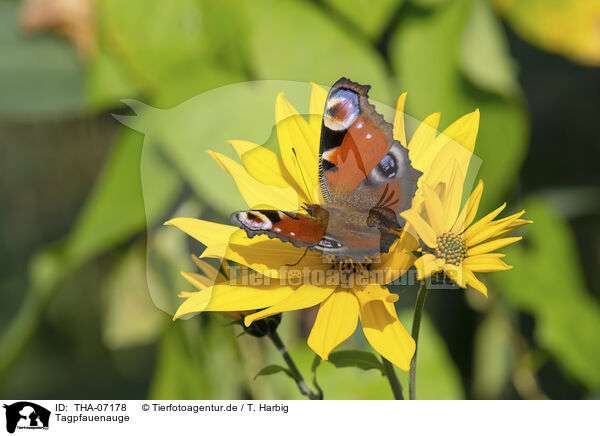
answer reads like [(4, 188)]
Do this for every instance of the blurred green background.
[(76, 317)]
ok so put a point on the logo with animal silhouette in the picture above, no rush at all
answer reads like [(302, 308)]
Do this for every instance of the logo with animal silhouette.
[(26, 415)]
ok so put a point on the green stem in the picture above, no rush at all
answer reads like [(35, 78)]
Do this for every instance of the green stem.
[(412, 373), (302, 385), (390, 372)]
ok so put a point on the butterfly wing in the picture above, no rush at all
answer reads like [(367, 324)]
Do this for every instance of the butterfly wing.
[(300, 229), (360, 163)]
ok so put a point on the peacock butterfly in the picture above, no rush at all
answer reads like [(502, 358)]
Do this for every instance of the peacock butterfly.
[(366, 180)]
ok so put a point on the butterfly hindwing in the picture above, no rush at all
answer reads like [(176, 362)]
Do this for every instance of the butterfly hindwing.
[(299, 229)]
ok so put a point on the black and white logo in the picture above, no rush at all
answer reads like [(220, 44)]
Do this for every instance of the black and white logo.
[(26, 415)]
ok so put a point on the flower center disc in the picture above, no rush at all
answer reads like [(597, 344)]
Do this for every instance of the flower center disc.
[(451, 248)]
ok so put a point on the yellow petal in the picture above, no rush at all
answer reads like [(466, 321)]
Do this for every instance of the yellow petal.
[(272, 257), (336, 321), (214, 236), (435, 211), (399, 129), (199, 281), (513, 226), (491, 230), (421, 263), (464, 130), (491, 246), (424, 230), (317, 105), (381, 327), (297, 145), (452, 198), (476, 228), (467, 215), (486, 263), (452, 148), (474, 282), (455, 272), (395, 263), (254, 192), (224, 297), (303, 297), (262, 164), (428, 265), (209, 271), (421, 140)]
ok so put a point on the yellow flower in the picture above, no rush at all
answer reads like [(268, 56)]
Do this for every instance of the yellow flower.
[(451, 243), (286, 274)]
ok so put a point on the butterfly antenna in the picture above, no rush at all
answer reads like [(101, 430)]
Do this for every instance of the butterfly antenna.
[(301, 257), (302, 175)]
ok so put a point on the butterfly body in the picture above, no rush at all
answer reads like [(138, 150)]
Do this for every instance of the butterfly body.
[(365, 177)]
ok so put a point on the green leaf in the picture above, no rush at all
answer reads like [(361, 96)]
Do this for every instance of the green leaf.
[(548, 282), (40, 76), (426, 54), (484, 53), (491, 361), (429, 3), (298, 41), (150, 38), (358, 359), (274, 369), (129, 316), (168, 52), (370, 18), (179, 374), (115, 210)]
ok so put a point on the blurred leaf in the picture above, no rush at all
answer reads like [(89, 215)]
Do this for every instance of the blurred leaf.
[(107, 82), (151, 38), (129, 317), (355, 358), (40, 77), (428, 3), (484, 52), (298, 41), (438, 377), (548, 282), (167, 255), (170, 52), (179, 374), (426, 53), (492, 354), (273, 369), (369, 17), (566, 27), (115, 210)]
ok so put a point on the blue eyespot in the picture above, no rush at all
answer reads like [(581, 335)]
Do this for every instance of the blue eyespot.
[(388, 166)]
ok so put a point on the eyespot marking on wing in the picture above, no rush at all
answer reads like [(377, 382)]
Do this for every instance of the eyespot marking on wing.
[(341, 110), (255, 220), (390, 167)]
